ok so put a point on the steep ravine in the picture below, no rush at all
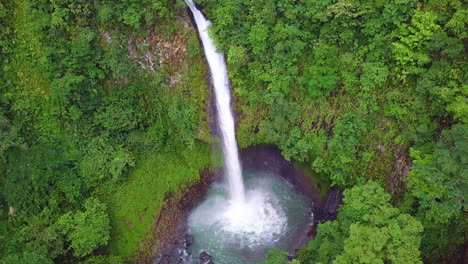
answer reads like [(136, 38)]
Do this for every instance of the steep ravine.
[(170, 235)]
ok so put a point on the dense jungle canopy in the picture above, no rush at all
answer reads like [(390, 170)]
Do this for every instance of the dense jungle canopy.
[(104, 112)]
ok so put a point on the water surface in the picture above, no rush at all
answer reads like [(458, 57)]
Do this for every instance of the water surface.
[(273, 215)]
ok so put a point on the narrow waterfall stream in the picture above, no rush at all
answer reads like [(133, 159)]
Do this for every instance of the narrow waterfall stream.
[(239, 223), (223, 105)]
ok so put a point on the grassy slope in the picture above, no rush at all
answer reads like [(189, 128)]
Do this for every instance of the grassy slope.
[(135, 204)]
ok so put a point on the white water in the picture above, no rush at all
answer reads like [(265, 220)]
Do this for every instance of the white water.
[(223, 104), (272, 216)]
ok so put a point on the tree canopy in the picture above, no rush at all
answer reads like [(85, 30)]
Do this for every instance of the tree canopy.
[(104, 109), (368, 230)]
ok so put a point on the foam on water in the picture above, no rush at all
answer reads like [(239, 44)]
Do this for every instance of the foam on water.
[(258, 219), (272, 215)]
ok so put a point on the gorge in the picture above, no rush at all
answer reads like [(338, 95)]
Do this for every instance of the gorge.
[(237, 223)]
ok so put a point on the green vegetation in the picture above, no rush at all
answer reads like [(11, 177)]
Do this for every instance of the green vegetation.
[(97, 125), (136, 204), (368, 230), (437, 191), (87, 230), (103, 114), (276, 256)]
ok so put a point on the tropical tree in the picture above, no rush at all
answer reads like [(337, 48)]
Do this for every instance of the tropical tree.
[(368, 230)]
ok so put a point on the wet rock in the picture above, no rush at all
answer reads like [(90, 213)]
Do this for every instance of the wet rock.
[(188, 240), (164, 259), (401, 168), (206, 258), (293, 255), (334, 200)]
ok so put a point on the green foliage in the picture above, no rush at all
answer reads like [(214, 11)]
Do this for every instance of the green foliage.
[(40, 177), (276, 256), (26, 257), (131, 17), (86, 230), (397, 242), (456, 99), (331, 244), (133, 206), (103, 160), (8, 136), (390, 236), (411, 52), (116, 59), (321, 77), (104, 260), (77, 111), (438, 180), (437, 188), (116, 115), (373, 75), (343, 153), (236, 56), (184, 122), (457, 24), (136, 14), (257, 38)]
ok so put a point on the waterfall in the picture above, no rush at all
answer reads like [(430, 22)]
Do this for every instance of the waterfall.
[(219, 75), (266, 213)]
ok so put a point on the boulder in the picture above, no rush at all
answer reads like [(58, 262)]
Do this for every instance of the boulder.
[(206, 258)]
